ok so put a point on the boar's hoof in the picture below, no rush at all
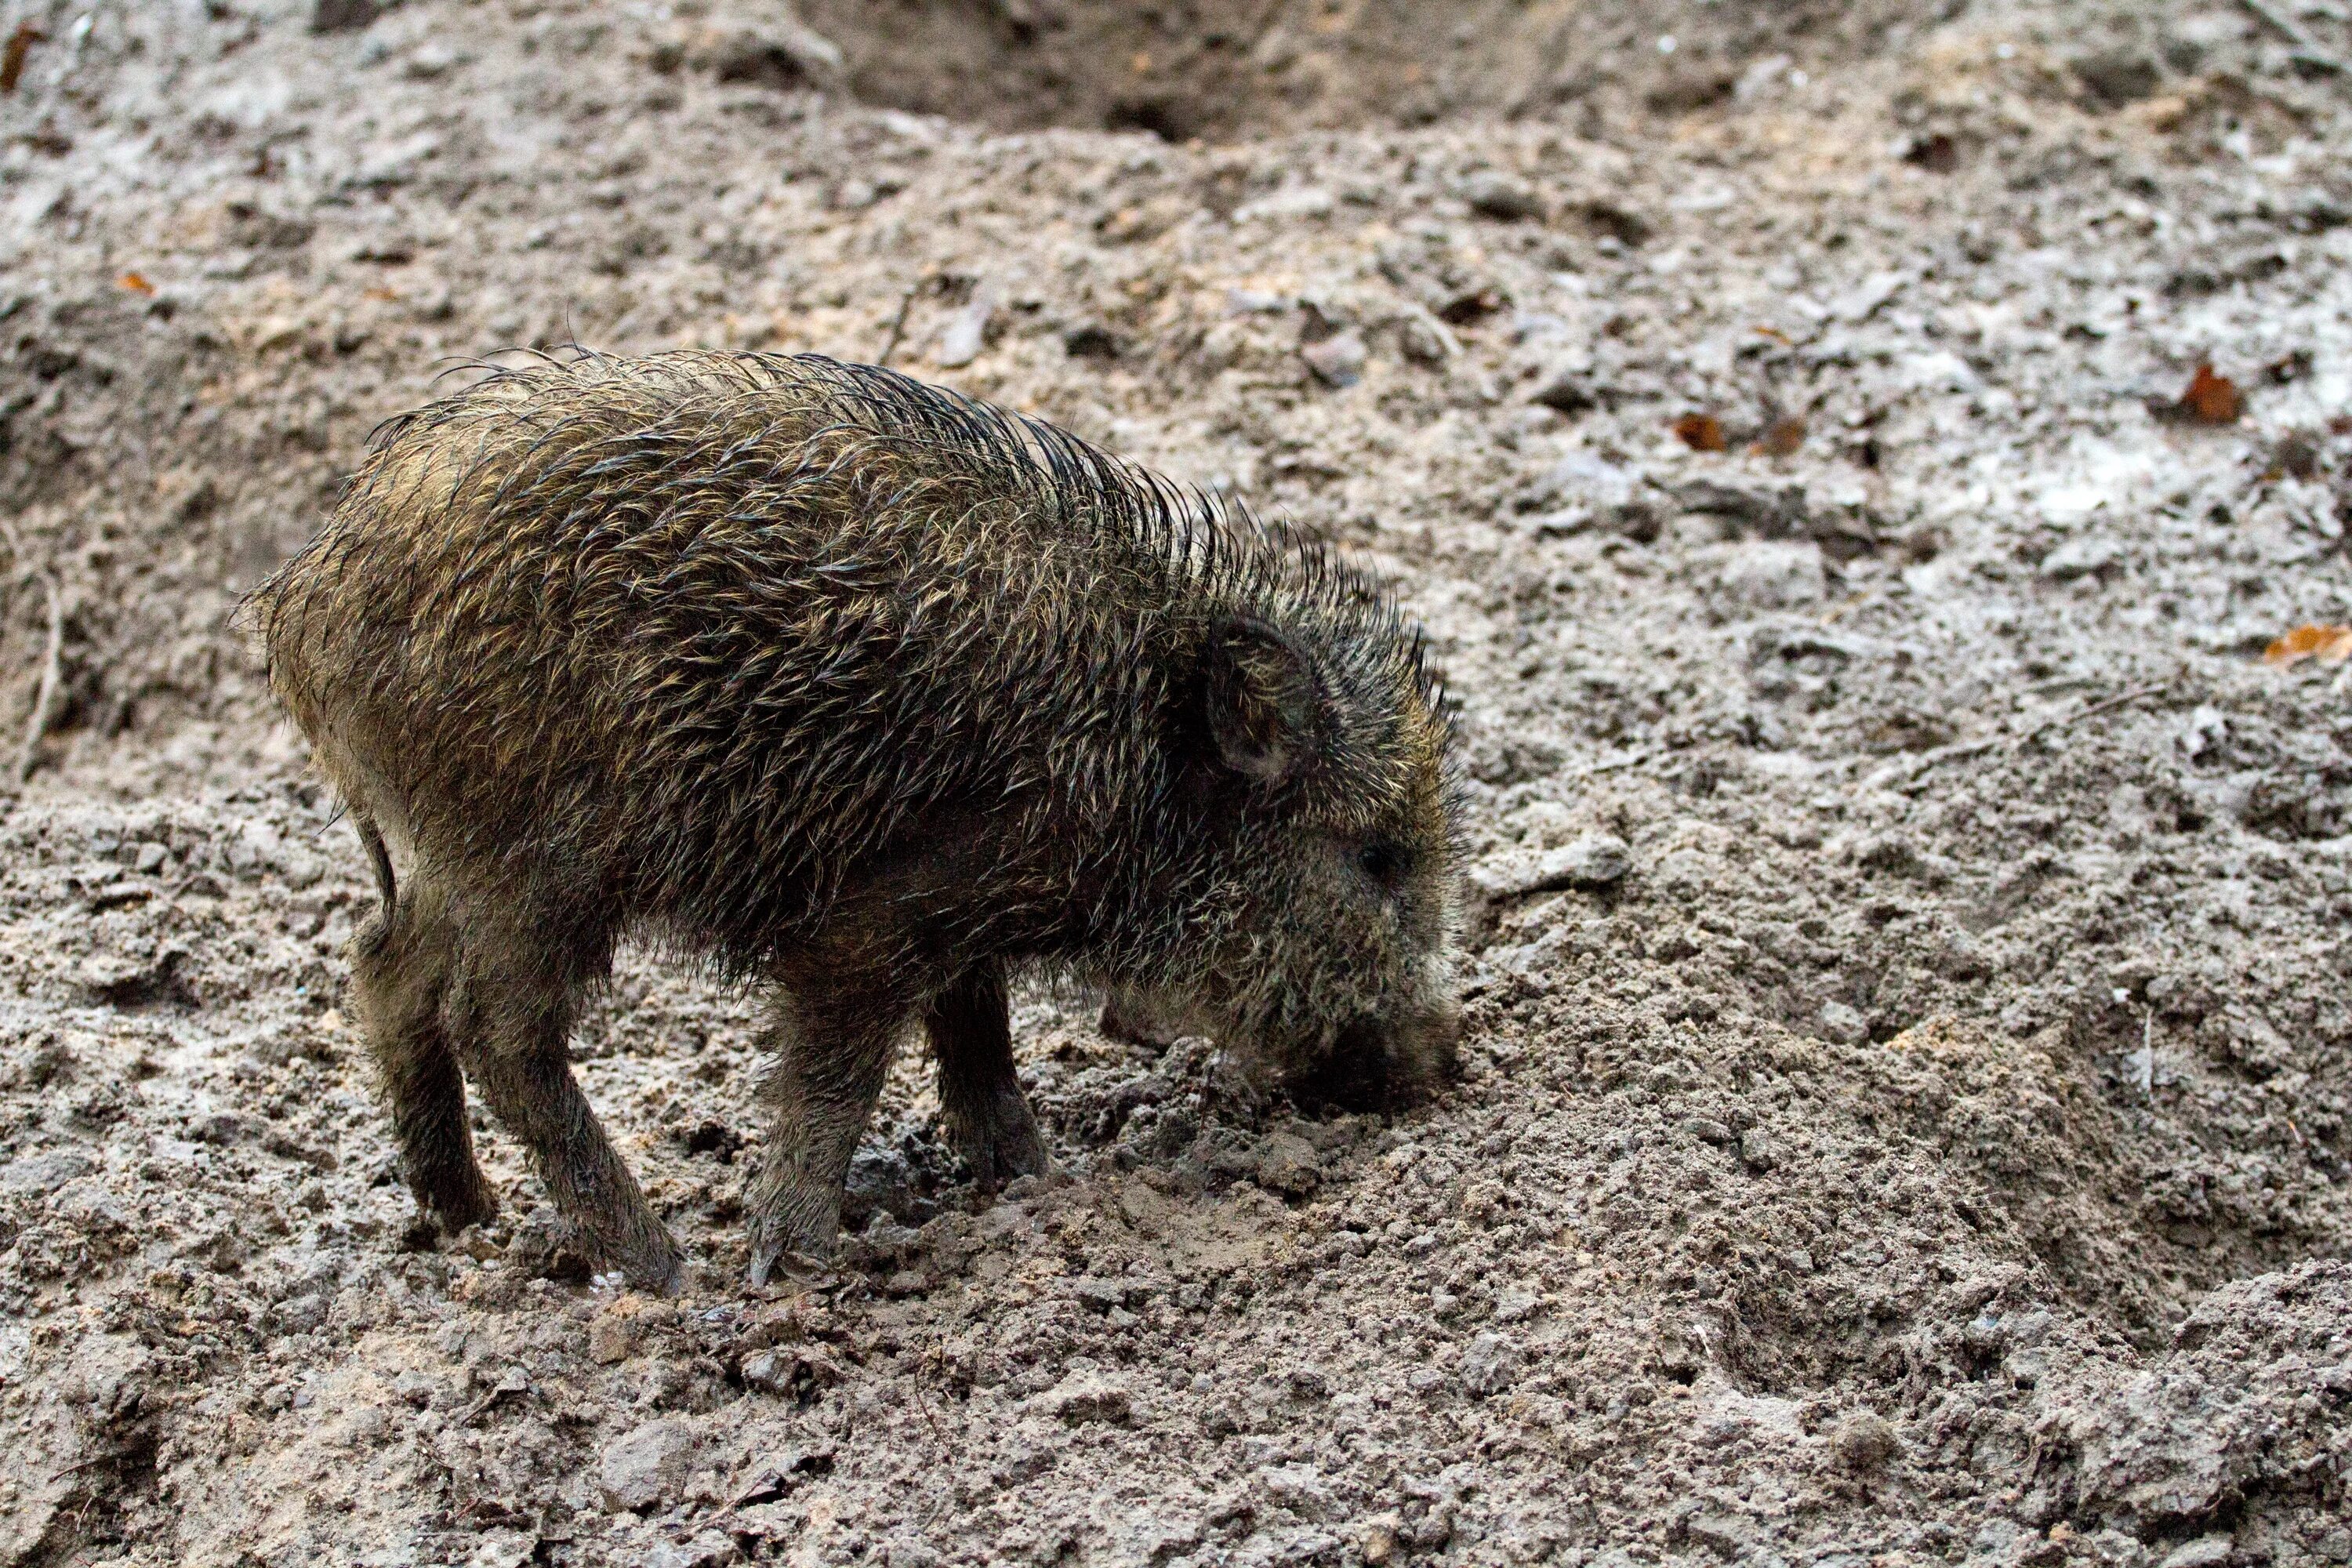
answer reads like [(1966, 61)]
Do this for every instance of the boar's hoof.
[(1015, 1152), (1000, 1144), (656, 1271), (803, 1267)]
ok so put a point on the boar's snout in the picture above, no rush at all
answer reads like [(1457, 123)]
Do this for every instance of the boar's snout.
[(1387, 1060)]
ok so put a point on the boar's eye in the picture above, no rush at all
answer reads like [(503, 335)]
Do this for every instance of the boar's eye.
[(1384, 862)]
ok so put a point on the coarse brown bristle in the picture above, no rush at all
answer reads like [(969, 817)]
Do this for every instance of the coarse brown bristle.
[(630, 619)]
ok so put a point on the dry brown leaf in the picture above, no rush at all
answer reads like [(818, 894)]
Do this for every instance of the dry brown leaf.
[(135, 283), (12, 54), (1700, 432), (2328, 644), (2212, 399)]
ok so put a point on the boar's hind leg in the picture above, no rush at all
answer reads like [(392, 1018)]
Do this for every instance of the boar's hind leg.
[(400, 968), (834, 1043), (987, 1121), (512, 1010)]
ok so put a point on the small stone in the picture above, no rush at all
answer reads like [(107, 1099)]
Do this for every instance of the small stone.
[(1759, 1150), (1582, 482), (613, 1336), (1864, 1442), (1726, 1535), (1593, 860), (1425, 340), (1776, 574), (1497, 195), (963, 337), (1516, 1303), (30, 1175), (644, 1468), (1336, 361), (769, 1370), (1844, 1026), (910, 1551), (1565, 384), (1489, 1366), (786, 1368), (1291, 203), (2205, 1552), (1287, 1163), (430, 61), (1295, 1488), (343, 16), (1098, 1295), (2119, 76), (709, 1550), (2081, 558)]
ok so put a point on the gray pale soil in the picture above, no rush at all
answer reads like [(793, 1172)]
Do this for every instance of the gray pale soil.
[(1905, 1108)]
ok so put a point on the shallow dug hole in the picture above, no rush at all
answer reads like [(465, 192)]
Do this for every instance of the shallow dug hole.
[(1224, 68)]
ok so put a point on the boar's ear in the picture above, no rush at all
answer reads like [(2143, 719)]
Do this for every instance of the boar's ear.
[(1265, 700)]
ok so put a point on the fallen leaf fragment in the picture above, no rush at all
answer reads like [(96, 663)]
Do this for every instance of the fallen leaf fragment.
[(2328, 644), (1936, 152), (1700, 432), (2212, 399), (13, 53), (135, 283)]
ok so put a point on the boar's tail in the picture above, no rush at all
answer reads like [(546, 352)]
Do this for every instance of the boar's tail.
[(386, 886)]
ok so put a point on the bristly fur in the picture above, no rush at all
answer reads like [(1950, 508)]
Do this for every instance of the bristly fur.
[(792, 662)]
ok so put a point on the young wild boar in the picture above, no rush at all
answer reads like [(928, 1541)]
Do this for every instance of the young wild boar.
[(870, 694)]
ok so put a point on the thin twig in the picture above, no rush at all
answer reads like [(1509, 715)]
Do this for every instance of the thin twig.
[(2107, 705), (1903, 773), (898, 322), (1631, 759), (45, 699), (923, 1406), (2304, 49)]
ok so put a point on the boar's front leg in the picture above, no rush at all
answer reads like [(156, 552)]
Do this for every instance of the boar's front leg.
[(988, 1120), (833, 1038)]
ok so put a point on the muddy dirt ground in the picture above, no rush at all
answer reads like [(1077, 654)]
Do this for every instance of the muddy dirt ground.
[(1904, 1116)]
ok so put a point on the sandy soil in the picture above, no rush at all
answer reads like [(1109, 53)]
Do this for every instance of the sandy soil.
[(1905, 1111)]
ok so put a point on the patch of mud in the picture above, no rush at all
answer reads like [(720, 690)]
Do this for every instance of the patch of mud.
[(1905, 1109)]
